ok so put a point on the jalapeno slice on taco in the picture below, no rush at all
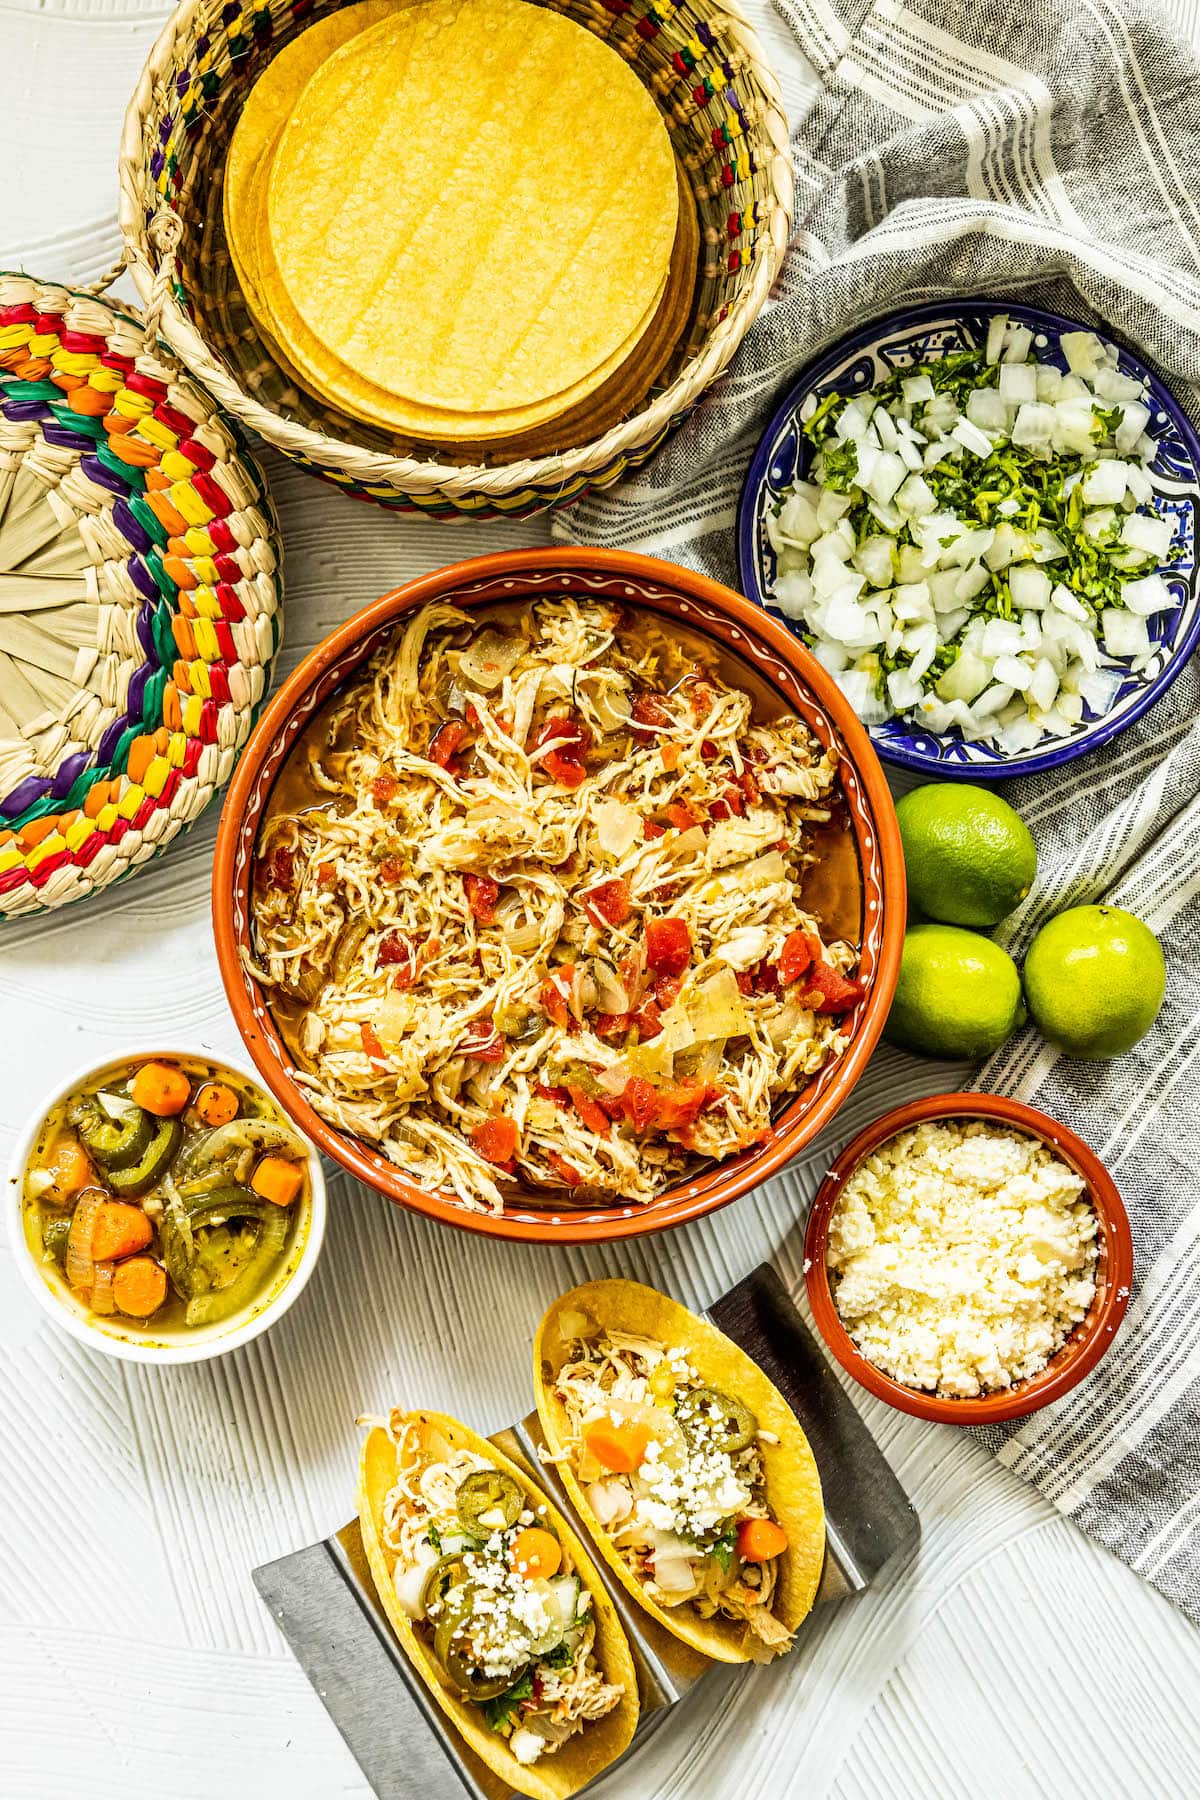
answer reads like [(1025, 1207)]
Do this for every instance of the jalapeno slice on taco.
[(496, 1603), (687, 1466)]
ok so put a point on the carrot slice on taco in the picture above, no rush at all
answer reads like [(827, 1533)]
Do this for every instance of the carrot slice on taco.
[(496, 1603), (686, 1464)]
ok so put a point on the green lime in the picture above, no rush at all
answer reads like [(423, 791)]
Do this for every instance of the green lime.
[(968, 857), (958, 994), (1095, 978)]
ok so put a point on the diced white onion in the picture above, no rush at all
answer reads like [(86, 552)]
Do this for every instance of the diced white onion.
[(893, 582)]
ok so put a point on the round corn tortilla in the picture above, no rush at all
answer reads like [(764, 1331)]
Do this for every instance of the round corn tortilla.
[(343, 387), (574, 417), (582, 1758), (793, 1484), (473, 204), (264, 116)]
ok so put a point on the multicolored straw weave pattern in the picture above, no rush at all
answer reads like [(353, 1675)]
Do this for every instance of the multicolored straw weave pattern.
[(167, 545)]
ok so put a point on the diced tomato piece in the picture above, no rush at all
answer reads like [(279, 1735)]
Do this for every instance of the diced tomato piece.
[(567, 1173), (639, 1102), (593, 1116), (651, 829), (565, 764), (397, 953), (766, 977), (745, 981), (384, 788), (668, 946), (564, 769), (646, 1021), (279, 869), (557, 1095), (371, 1043), (708, 750), (446, 742), (652, 710), (610, 1105), (393, 869), (700, 695), (795, 958), (326, 874), (670, 754), (718, 810), (612, 1026), (496, 1140), (827, 990), (680, 1106), (666, 990), (609, 904), (683, 817), (553, 1002), (735, 800), (483, 1042), (570, 734), (749, 786), (482, 894)]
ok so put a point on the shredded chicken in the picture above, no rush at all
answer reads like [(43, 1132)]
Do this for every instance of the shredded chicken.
[(528, 907), (673, 1520)]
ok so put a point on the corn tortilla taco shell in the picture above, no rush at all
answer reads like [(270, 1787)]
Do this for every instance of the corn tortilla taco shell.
[(583, 1757), (793, 1484), (473, 206)]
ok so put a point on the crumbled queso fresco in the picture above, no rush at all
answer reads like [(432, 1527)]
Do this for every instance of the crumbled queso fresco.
[(961, 1257)]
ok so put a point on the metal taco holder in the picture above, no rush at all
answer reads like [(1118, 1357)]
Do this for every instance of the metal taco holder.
[(323, 1597)]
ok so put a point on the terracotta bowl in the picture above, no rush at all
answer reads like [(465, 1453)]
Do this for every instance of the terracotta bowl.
[(674, 593), (1086, 1344)]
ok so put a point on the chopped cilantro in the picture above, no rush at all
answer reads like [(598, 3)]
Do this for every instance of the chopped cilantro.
[(435, 1538), (722, 1552), (839, 467)]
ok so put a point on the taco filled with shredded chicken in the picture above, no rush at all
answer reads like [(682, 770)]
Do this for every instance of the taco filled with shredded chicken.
[(687, 1466), (496, 1603)]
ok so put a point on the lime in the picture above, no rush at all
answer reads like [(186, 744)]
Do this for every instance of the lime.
[(958, 994), (1095, 978), (968, 857)]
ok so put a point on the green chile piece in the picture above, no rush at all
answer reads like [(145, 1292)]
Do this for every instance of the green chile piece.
[(113, 1143), (152, 1164)]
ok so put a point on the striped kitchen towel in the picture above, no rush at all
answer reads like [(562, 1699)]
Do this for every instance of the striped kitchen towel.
[(1050, 152)]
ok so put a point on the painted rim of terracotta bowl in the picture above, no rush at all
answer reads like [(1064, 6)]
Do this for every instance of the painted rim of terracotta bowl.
[(1086, 1344), (671, 592)]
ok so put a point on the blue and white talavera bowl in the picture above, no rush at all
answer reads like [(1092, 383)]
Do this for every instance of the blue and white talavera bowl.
[(857, 362)]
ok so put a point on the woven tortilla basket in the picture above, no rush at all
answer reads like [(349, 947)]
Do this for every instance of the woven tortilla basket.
[(720, 100), (139, 595)]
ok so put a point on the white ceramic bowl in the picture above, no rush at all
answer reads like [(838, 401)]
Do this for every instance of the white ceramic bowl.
[(125, 1339)]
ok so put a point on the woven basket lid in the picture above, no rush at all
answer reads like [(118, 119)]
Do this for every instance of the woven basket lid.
[(139, 595)]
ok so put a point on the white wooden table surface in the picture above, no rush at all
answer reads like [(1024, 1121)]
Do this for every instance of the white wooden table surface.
[(1014, 1657)]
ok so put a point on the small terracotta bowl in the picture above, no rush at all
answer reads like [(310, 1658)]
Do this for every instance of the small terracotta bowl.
[(678, 595), (1086, 1344)]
